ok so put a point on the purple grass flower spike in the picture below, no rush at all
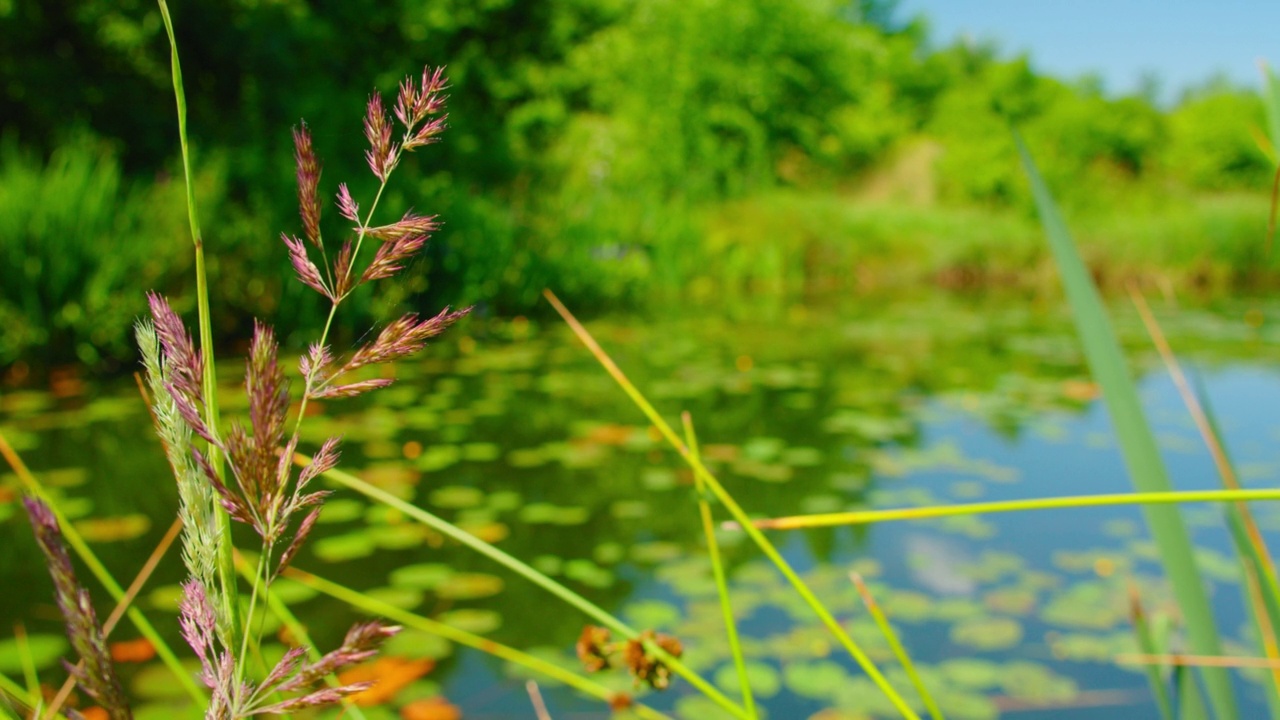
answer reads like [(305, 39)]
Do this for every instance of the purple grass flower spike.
[(347, 205), (308, 183), (348, 390), (188, 367), (381, 153), (97, 676), (307, 271), (403, 337)]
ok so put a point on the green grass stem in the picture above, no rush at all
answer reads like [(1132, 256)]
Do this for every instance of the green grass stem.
[(1137, 442), (462, 637), (226, 559), (16, 691), (1147, 645), (99, 571), (734, 509), (29, 674), (871, 517), (529, 573), (717, 570), (900, 652)]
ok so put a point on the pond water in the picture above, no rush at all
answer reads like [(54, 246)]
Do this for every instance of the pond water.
[(510, 429)]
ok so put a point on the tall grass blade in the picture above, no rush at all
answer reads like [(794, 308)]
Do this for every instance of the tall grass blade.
[(734, 509), (1147, 646), (900, 652), (81, 548), (1262, 592), (717, 570), (29, 674), (529, 573), (1271, 105), (1142, 456), (226, 559), (462, 637), (12, 690)]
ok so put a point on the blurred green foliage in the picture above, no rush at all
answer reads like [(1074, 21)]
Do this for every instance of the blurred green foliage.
[(616, 150)]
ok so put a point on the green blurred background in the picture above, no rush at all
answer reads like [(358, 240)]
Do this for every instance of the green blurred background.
[(626, 154)]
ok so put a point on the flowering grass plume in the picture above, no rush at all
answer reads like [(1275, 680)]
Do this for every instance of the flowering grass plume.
[(234, 698), (97, 676), (259, 488)]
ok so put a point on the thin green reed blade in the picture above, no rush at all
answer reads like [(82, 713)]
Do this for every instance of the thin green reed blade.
[(1142, 456), (1271, 102), (1147, 645)]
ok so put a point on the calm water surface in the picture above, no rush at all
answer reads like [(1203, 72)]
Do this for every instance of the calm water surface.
[(509, 429)]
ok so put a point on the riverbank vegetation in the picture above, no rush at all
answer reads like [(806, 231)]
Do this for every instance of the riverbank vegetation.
[(620, 152)]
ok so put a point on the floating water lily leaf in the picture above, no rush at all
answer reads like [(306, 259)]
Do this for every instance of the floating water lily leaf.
[(996, 633), (481, 452), (469, 586), (165, 597), (764, 680), (588, 573), (456, 497), (815, 679), (45, 650), (337, 548), (426, 576), (504, 500), (475, 620), (533, 457), (1036, 683), (967, 706), (802, 457), (438, 457), (973, 673), (1091, 604), (548, 564), (657, 478), (339, 510), (490, 532), (549, 514), (416, 644), (608, 553), (1087, 647), (655, 552), (114, 529), (398, 537), (400, 597), (1017, 601), (701, 707), (629, 509), (652, 614)]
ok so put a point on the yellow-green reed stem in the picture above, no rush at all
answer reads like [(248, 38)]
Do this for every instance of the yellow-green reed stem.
[(99, 571), (226, 563), (717, 570), (29, 674), (299, 634), (257, 583), (869, 517), (521, 568), (1147, 644), (899, 651), (734, 509), (462, 637)]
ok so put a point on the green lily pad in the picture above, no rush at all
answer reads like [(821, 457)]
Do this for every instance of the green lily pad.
[(426, 576), (469, 586), (816, 680), (475, 620), (652, 614), (588, 573), (549, 514), (416, 645), (337, 548), (44, 651), (456, 497), (339, 510), (996, 633), (481, 452), (762, 678)]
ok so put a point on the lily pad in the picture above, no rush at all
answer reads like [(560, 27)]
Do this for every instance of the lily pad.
[(996, 633), (426, 576), (469, 586), (762, 678), (475, 620), (44, 651), (337, 548), (456, 497)]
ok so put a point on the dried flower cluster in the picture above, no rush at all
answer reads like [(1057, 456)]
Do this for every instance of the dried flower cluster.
[(595, 650)]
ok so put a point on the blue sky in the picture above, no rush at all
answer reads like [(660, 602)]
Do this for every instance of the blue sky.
[(1183, 42)]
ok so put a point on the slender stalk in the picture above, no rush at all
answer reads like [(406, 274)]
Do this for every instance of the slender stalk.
[(462, 637), (81, 548), (717, 570), (535, 697), (29, 675), (1179, 659), (900, 652), (521, 568), (226, 561), (871, 517), (300, 635), (16, 691), (1147, 644), (734, 509)]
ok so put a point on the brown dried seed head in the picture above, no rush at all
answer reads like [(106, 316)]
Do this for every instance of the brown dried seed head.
[(593, 648)]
